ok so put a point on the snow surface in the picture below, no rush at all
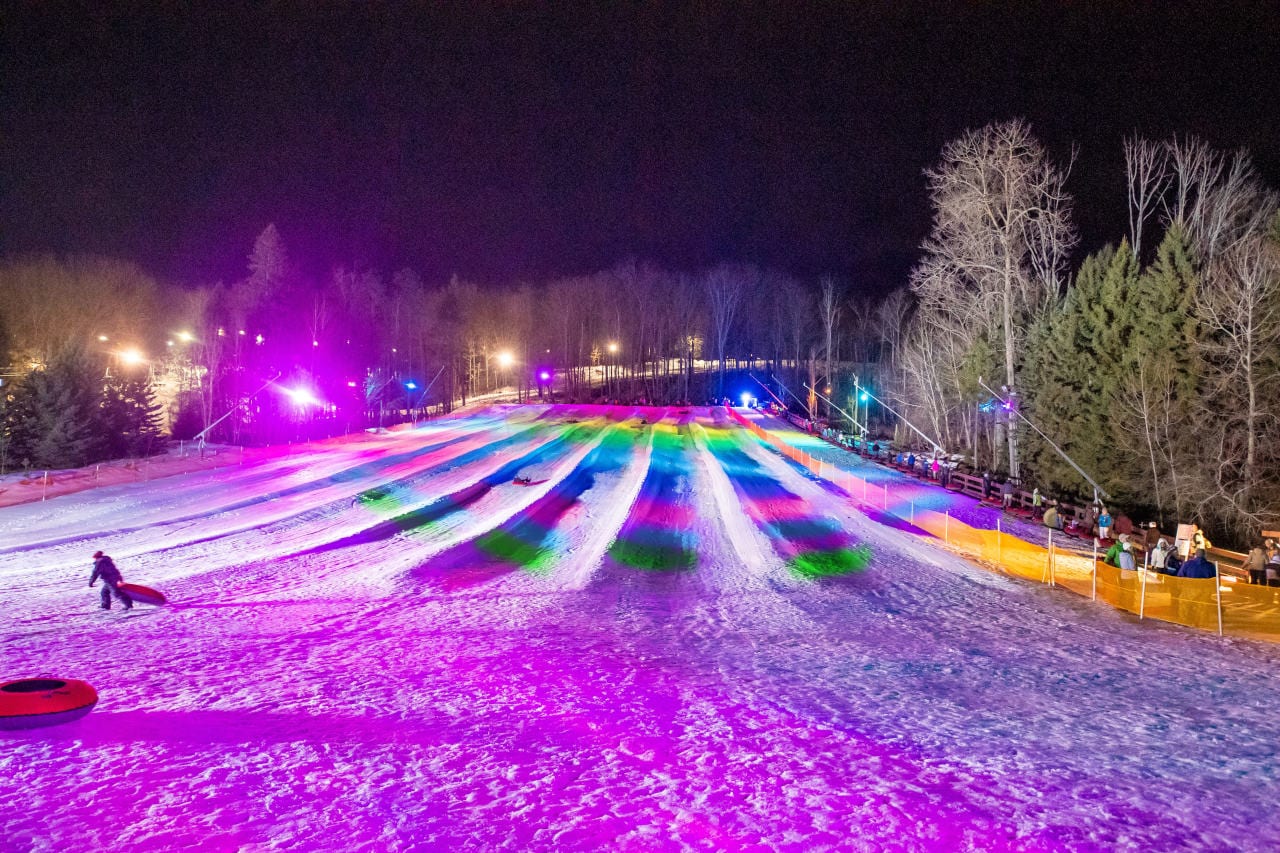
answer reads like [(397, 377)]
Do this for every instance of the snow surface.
[(386, 644)]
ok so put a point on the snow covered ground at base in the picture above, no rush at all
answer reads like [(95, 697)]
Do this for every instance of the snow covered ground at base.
[(672, 638)]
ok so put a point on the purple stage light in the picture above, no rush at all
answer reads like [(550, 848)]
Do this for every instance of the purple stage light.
[(301, 397)]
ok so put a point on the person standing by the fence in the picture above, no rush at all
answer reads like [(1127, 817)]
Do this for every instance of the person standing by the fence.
[(1158, 557), (1256, 563), (1006, 493), (1104, 524), (1090, 519), (1125, 558), (1200, 543)]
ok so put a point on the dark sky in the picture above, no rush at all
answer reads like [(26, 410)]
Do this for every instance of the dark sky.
[(530, 140)]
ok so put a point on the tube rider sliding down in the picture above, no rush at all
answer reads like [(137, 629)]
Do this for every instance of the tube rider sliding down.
[(105, 568)]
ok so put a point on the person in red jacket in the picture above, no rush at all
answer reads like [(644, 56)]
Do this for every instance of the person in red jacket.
[(105, 568)]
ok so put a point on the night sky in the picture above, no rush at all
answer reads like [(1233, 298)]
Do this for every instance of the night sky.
[(525, 141)]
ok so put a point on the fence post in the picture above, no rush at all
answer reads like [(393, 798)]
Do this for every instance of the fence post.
[(1217, 591), (946, 527), (1142, 595), (913, 511), (44, 494), (1094, 569), (1048, 558), (999, 544), (886, 496)]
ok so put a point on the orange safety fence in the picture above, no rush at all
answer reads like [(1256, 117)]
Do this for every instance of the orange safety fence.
[(1221, 604)]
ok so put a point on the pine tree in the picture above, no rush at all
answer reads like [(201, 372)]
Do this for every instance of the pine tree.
[(131, 418), (55, 417), (1062, 371), (1162, 372)]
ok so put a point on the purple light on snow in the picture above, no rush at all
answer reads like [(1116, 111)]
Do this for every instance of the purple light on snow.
[(544, 376)]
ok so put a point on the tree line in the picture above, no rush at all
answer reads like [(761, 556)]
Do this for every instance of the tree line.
[(371, 349), (1150, 364)]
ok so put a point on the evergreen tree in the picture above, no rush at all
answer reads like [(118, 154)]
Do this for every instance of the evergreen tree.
[(1066, 399), (131, 418), (1162, 370), (1113, 370), (144, 433), (55, 418)]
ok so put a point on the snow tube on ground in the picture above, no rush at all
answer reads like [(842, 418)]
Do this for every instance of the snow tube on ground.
[(145, 594), (33, 702)]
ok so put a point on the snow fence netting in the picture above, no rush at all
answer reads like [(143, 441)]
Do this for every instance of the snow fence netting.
[(1209, 604)]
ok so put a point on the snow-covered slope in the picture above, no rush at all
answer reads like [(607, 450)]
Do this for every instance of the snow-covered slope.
[(671, 638)]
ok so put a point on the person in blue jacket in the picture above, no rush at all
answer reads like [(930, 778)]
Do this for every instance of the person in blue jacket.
[(104, 567), (1104, 524), (1197, 567)]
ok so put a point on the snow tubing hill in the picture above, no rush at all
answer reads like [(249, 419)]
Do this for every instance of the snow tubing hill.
[(145, 594), (33, 702)]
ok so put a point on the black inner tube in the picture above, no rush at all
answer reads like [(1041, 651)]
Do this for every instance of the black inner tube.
[(33, 685)]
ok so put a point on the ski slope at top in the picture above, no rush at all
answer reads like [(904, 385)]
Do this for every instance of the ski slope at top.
[(671, 638)]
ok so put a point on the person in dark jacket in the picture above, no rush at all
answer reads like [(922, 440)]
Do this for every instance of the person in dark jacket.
[(1197, 567), (105, 568)]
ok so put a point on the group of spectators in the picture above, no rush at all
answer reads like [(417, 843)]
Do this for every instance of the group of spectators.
[(1159, 553), (1263, 564)]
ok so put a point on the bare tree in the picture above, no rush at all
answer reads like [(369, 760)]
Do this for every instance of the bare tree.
[(890, 320), (1239, 306), (1218, 199), (829, 307), (1151, 423), (1001, 236), (725, 286), (1145, 164)]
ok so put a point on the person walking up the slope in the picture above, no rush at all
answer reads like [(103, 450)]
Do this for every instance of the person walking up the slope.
[(105, 568)]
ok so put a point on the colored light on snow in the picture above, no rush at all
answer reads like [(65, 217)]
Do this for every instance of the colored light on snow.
[(315, 343), (412, 386), (544, 375)]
